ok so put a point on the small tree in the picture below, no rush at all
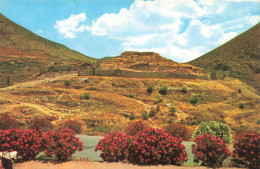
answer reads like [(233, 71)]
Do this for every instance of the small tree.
[(85, 96), (163, 90), (67, 83), (193, 101), (149, 89)]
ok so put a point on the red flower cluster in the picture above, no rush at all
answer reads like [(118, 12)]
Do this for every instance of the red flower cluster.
[(212, 151), (114, 146), (62, 143), (247, 149), (153, 146), (177, 130), (28, 143), (135, 128)]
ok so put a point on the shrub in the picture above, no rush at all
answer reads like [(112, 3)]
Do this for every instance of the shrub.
[(132, 117), (170, 121), (193, 101), (153, 146), (152, 113), (135, 128), (67, 83), (160, 100), (184, 90), (177, 130), (247, 150), (7, 122), (210, 150), (27, 143), (149, 89), (114, 146), (85, 96), (73, 125), (215, 128), (239, 90), (62, 144), (40, 124), (131, 95), (145, 116), (163, 90), (100, 129), (172, 109), (86, 80), (241, 106), (258, 122)]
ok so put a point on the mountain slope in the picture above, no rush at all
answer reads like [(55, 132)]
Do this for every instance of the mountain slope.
[(18, 41), (239, 58)]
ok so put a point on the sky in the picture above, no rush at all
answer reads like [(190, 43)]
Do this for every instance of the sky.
[(181, 30)]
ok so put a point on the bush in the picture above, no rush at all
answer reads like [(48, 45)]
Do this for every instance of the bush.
[(241, 106), (86, 81), (210, 150), (152, 113), (67, 83), (27, 143), (85, 96), (247, 150), (7, 122), (73, 125), (132, 117), (149, 89), (131, 95), (114, 146), (153, 146), (177, 130), (160, 100), (172, 109), (62, 144), (170, 121), (163, 90), (193, 101), (145, 116), (40, 124), (135, 128), (184, 90), (215, 128)]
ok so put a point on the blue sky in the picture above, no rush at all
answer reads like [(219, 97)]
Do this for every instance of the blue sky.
[(181, 30)]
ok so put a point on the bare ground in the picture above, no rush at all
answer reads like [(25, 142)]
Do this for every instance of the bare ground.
[(92, 165)]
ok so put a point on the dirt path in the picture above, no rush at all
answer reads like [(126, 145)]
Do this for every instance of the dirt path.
[(92, 165)]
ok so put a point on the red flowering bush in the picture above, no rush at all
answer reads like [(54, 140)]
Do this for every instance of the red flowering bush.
[(7, 122), (247, 150), (27, 143), (62, 143), (153, 146), (40, 124), (135, 128), (212, 151), (177, 130), (73, 125), (114, 146)]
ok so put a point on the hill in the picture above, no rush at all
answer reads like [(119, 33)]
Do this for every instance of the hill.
[(143, 64), (23, 53), (239, 58)]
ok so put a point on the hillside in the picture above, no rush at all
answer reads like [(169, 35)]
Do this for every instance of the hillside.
[(23, 53), (239, 58), (143, 64)]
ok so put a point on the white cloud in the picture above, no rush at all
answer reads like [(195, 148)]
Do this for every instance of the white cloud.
[(70, 27)]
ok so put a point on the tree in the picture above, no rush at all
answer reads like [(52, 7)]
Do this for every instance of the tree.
[(149, 89), (163, 90), (67, 83)]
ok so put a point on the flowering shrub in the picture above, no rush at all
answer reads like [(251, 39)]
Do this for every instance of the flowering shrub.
[(215, 128), (73, 125), (27, 143), (40, 124), (114, 146), (135, 128), (62, 144), (7, 122), (152, 146), (247, 149), (212, 151), (177, 130)]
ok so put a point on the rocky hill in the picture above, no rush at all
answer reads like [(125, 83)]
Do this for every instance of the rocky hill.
[(239, 58)]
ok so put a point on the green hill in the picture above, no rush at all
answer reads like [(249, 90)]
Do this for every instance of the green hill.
[(239, 58), (17, 40)]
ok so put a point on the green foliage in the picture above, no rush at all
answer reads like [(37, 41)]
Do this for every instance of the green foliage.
[(163, 90), (152, 113), (241, 106), (172, 109), (67, 83), (85, 96), (160, 100), (184, 90), (193, 100), (145, 116), (100, 129), (149, 89), (239, 90), (213, 75), (170, 121), (194, 122), (215, 128), (131, 95), (132, 117)]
